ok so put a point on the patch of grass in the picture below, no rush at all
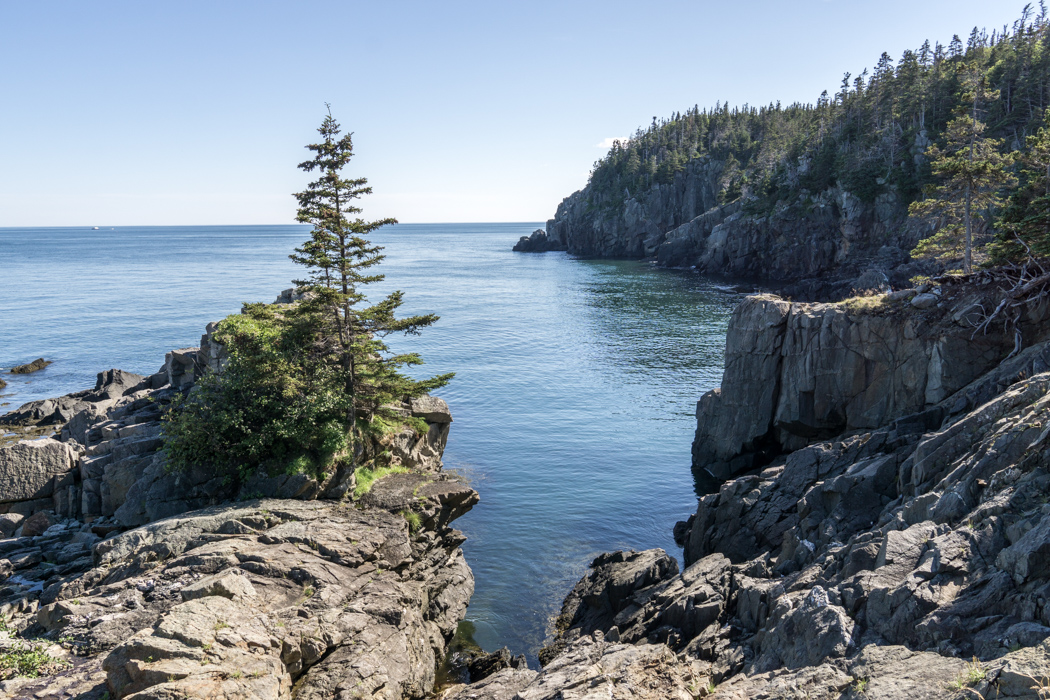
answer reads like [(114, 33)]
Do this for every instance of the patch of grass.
[(973, 675), (865, 304), (860, 686), (221, 624), (28, 660), (414, 520), (366, 476)]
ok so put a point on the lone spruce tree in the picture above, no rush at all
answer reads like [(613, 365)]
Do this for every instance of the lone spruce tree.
[(302, 385), (972, 171), (339, 262)]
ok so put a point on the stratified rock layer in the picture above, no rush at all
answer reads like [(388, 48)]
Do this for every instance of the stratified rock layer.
[(796, 373)]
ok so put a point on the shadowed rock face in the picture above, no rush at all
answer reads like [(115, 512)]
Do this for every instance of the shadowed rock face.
[(538, 242)]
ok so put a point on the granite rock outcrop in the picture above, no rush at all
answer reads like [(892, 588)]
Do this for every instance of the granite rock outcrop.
[(893, 548), (796, 373)]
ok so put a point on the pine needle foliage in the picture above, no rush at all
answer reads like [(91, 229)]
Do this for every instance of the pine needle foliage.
[(308, 387), (868, 137), (339, 261), (1024, 227), (972, 171)]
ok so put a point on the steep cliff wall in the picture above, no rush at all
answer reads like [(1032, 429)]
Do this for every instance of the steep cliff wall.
[(634, 227), (831, 235), (795, 373)]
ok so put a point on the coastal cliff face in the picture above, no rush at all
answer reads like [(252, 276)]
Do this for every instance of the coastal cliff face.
[(635, 227), (831, 235), (795, 373), (122, 579)]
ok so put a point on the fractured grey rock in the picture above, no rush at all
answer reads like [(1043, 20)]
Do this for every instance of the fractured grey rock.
[(28, 468)]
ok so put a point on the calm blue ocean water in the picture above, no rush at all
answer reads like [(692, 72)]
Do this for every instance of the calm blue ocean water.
[(576, 380)]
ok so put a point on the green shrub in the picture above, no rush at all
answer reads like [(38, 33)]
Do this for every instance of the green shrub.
[(414, 520), (28, 660), (274, 406)]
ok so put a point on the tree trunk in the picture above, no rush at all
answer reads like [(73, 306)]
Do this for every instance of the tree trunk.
[(967, 254)]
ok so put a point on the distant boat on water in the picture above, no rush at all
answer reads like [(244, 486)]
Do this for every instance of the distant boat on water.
[(95, 228)]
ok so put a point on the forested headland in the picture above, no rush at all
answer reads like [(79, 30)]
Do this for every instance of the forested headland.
[(866, 152)]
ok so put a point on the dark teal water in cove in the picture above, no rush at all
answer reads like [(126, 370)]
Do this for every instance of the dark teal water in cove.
[(573, 401)]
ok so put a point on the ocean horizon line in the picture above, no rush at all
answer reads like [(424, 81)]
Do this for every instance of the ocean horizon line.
[(106, 227)]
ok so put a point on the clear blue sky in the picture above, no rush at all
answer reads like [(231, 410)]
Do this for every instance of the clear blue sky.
[(123, 113)]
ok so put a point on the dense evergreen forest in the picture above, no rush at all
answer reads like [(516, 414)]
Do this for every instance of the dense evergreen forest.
[(874, 134)]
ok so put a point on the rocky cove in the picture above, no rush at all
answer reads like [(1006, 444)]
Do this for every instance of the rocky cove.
[(881, 531)]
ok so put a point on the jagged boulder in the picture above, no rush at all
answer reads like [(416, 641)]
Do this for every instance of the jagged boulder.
[(804, 631), (597, 599), (538, 242)]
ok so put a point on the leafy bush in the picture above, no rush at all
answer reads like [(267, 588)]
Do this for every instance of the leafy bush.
[(274, 406)]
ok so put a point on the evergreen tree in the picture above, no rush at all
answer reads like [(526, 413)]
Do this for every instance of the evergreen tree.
[(339, 260), (972, 171), (1024, 228), (304, 385)]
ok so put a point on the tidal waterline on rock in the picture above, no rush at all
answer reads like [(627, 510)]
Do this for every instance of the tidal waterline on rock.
[(573, 401)]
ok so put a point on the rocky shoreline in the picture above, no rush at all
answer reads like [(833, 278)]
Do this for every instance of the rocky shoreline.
[(889, 541), (119, 578), (881, 531)]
